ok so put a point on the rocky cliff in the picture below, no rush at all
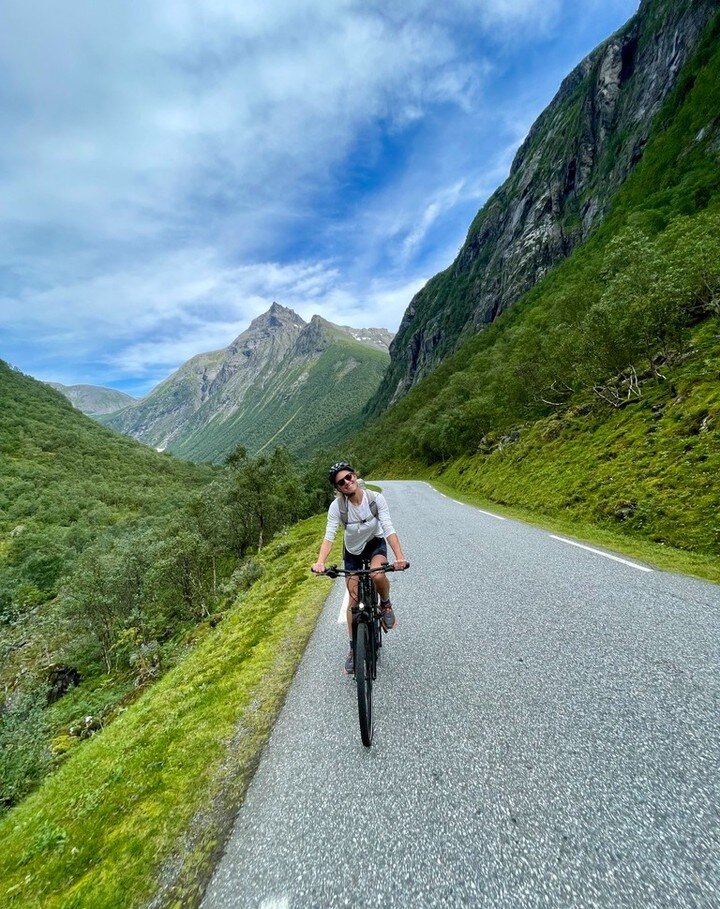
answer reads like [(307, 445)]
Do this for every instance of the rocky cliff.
[(560, 187), (277, 383)]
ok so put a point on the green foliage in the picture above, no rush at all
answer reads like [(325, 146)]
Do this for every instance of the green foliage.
[(25, 755), (109, 559), (63, 482), (647, 472), (100, 831), (607, 323)]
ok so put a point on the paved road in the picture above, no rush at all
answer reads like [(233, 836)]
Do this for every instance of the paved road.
[(546, 736)]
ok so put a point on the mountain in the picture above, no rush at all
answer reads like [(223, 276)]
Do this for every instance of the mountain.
[(578, 153), (94, 399), (595, 396), (281, 382)]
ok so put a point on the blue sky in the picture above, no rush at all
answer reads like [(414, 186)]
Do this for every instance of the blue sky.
[(168, 169)]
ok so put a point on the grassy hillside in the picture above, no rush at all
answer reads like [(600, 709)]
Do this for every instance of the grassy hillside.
[(110, 555), (313, 405), (164, 780), (63, 481), (642, 479), (614, 331)]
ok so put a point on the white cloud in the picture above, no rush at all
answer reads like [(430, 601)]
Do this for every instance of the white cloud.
[(442, 201), (170, 168), (155, 317), (119, 115)]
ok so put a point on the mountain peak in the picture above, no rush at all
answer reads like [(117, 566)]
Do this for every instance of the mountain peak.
[(275, 320), (277, 309), (276, 317)]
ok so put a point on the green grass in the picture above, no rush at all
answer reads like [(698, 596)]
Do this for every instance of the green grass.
[(164, 778), (642, 479)]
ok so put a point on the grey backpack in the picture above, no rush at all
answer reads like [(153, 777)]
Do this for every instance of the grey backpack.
[(343, 506)]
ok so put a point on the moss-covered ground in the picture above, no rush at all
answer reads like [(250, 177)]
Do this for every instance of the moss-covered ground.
[(643, 479), (141, 809)]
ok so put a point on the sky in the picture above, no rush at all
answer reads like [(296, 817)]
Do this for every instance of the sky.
[(170, 168)]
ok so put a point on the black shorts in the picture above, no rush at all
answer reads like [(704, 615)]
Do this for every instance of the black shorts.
[(376, 546)]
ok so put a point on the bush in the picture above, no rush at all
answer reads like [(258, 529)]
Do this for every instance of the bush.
[(25, 756)]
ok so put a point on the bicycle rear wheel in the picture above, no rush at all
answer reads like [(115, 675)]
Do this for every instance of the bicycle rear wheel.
[(364, 681)]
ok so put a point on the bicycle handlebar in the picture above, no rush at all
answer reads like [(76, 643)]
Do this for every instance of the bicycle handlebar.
[(333, 571)]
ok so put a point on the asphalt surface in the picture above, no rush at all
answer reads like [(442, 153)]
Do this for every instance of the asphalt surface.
[(547, 735)]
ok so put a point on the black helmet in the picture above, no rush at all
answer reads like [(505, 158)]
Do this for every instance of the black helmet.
[(336, 468)]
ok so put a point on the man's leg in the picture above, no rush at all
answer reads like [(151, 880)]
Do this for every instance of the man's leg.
[(380, 579), (352, 586)]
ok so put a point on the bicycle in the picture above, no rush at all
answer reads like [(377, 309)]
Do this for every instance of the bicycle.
[(367, 638)]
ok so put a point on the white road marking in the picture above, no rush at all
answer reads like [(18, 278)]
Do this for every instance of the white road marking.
[(601, 553), (343, 609), (281, 903), (481, 510), (490, 514), (458, 502)]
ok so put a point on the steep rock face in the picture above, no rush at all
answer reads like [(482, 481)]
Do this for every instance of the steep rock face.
[(577, 154), (280, 371), (221, 377)]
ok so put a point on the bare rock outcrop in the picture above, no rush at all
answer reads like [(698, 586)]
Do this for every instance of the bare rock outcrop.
[(577, 154)]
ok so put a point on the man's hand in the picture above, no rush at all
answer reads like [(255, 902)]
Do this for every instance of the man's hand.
[(318, 568), (401, 564)]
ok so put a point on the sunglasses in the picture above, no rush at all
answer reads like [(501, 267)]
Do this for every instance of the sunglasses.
[(342, 481)]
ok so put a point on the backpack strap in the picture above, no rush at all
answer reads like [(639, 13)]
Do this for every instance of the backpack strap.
[(343, 507)]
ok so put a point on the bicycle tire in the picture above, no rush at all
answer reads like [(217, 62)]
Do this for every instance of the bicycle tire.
[(364, 681)]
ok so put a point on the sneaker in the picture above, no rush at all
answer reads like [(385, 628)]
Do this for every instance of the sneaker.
[(387, 616), (350, 662)]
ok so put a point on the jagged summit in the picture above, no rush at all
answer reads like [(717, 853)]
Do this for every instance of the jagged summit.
[(244, 393), (276, 317), (274, 321)]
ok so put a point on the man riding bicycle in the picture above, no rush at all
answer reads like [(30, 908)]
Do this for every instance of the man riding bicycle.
[(367, 526)]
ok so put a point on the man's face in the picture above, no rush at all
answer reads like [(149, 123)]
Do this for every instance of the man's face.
[(346, 481)]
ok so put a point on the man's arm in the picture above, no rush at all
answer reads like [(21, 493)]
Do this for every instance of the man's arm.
[(325, 548), (400, 560)]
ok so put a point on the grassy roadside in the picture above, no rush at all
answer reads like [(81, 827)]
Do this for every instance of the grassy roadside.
[(139, 812), (659, 555), (642, 479), (666, 558)]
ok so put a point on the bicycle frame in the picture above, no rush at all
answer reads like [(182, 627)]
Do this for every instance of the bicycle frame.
[(367, 639), (367, 611)]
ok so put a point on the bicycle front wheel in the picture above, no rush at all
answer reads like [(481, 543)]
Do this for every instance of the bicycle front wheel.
[(364, 681)]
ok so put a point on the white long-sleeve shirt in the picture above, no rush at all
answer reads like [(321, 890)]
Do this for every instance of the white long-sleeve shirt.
[(362, 526)]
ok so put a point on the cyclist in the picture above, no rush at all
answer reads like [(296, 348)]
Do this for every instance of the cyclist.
[(365, 534)]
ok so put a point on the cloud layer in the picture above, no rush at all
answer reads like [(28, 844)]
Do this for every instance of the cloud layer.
[(170, 168)]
